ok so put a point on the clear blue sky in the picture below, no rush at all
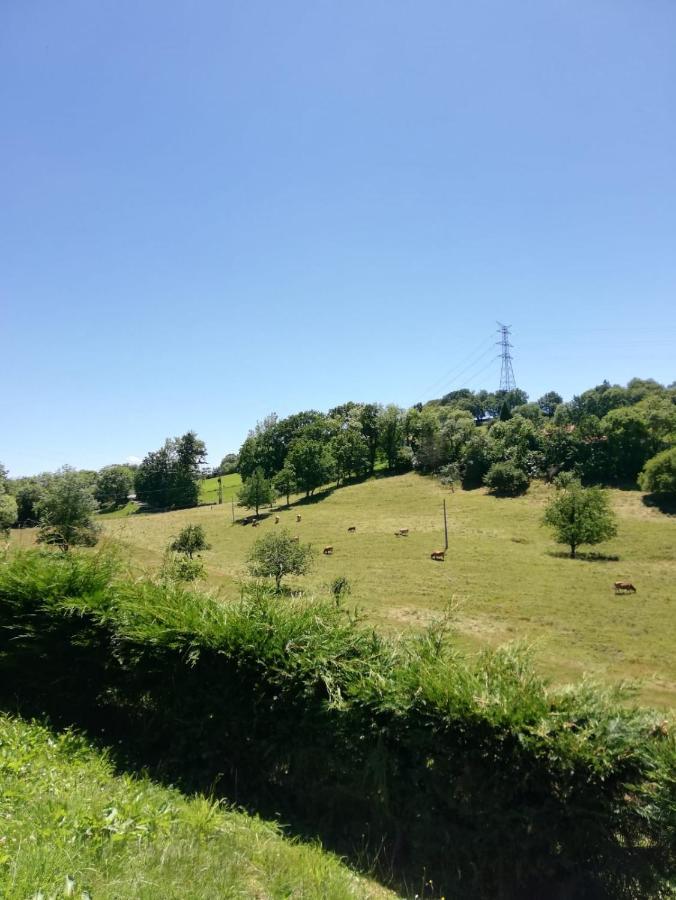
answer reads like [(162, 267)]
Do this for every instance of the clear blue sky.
[(214, 210)]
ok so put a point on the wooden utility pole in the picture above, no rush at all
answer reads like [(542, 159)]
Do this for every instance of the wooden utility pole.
[(220, 490), (233, 510), (445, 527)]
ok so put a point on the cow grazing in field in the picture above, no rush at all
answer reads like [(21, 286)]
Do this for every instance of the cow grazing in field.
[(255, 523), (352, 529), (295, 539), (624, 587), (297, 518), (276, 520), (403, 532), (327, 551), (438, 555)]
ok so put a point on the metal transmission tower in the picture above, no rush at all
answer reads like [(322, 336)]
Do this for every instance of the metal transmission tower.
[(507, 380)]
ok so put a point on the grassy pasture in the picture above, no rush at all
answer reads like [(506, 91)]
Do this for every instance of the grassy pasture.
[(209, 488), (508, 578), (71, 825)]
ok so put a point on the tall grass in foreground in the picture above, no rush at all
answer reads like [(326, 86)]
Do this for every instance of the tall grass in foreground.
[(471, 773), (70, 827)]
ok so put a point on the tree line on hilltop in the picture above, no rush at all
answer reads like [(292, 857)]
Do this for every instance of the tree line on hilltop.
[(606, 435)]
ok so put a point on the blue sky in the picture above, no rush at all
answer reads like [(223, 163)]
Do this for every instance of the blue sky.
[(214, 210)]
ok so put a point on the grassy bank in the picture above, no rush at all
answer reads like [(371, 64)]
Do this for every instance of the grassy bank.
[(69, 823), (470, 773)]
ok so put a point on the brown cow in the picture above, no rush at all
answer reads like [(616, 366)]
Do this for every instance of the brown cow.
[(403, 532), (352, 528), (327, 551), (255, 523), (297, 518), (276, 520), (295, 539), (438, 555), (625, 586)]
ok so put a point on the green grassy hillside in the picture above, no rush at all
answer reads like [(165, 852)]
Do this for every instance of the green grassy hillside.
[(503, 570), (70, 826), (209, 488)]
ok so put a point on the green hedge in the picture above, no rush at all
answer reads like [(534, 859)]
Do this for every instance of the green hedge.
[(471, 775)]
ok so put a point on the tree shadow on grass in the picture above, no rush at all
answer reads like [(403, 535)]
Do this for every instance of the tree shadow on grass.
[(666, 503), (589, 556)]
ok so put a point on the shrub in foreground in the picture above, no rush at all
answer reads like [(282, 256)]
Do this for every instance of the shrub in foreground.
[(471, 771), (659, 473)]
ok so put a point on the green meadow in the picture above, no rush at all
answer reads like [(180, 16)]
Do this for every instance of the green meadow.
[(504, 577)]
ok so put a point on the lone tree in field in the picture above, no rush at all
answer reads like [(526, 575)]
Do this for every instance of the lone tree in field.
[(65, 512), (580, 516), (276, 555), (190, 540), (256, 491)]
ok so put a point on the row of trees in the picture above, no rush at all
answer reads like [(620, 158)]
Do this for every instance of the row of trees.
[(607, 435)]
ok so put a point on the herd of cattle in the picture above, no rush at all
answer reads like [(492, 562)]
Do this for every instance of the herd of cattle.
[(620, 587), (436, 555)]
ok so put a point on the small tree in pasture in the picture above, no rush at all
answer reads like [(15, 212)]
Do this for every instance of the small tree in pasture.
[(256, 491), (276, 554), (190, 540), (65, 512), (580, 516)]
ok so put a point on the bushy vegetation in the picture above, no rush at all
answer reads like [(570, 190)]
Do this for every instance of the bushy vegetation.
[(72, 827), (506, 479), (471, 771), (659, 474), (8, 506)]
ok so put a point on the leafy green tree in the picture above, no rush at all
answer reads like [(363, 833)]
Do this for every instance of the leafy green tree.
[(277, 554), (228, 465), (580, 515), (506, 479), (169, 477), (630, 442), (369, 417), (549, 402), (284, 483), (8, 507), (350, 452), (312, 462), (190, 540), (476, 459), (256, 491), (113, 485), (529, 411), (28, 493), (429, 445), (505, 413), (391, 427), (659, 473), (65, 512)]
